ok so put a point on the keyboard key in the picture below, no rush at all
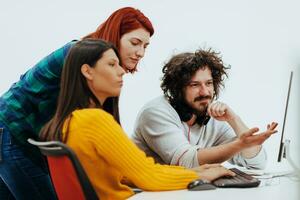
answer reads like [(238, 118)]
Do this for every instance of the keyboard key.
[(241, 180)]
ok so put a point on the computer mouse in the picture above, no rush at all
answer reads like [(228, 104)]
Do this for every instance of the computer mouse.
[(200, 184)]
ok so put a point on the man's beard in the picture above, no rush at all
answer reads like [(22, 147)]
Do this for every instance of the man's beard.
[(200, 109), (186, 110)]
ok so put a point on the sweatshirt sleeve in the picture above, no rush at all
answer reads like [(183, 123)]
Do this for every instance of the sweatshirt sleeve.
[(162, 133), (257, 162), (112, 143)]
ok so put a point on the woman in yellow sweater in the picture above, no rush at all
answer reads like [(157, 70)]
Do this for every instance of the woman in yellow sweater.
[(85, 121)]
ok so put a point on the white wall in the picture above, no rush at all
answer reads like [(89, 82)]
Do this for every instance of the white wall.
[(259, 39)]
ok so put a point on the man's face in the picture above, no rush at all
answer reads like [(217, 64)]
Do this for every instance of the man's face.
[(200, 90)]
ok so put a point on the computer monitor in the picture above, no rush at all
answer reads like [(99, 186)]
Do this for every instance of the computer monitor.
[(281, 145)]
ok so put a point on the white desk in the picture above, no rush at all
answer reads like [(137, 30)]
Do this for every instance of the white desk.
[(281, 188)]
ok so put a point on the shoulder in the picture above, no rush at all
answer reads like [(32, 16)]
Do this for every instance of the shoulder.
[(69, 45), (92, 115), (158, 111), (93, 120), (62, 51), (52, 64), (94, 124), (58, 56), (159, 105)]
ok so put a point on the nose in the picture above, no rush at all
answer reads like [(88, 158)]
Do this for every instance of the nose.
[(204, 90), (121, 71), (140, 52)]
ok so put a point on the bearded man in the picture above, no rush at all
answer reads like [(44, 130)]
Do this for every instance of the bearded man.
[(188, 127)]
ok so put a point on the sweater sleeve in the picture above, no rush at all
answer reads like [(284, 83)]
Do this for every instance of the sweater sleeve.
[(257, 162), (112, 144)]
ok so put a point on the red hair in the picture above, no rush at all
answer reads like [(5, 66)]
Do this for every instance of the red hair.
[(120, 22)]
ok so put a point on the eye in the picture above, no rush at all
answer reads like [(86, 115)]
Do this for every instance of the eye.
[(194, 85), (111, 64), (210, 83), (134, 43)]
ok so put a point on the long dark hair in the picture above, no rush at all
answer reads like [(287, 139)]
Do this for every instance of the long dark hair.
[(74, 91), (180, 69)]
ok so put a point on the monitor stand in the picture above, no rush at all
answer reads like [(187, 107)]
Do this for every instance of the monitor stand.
[(287, 156)]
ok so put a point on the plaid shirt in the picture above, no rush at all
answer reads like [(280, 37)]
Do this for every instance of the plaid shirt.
[(31, 101)]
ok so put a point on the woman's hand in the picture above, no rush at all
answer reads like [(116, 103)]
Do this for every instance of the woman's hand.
[(211, 172)]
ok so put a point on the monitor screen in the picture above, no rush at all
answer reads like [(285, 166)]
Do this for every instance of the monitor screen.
[(284, 119)]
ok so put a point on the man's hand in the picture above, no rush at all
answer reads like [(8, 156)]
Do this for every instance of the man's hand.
[(211, 172), (220, 111), (251, 138)]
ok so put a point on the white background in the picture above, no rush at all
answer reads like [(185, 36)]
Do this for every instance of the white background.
[(260, 39)]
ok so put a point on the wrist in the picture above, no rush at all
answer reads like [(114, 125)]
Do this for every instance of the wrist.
[(238, 144), (234, 119)]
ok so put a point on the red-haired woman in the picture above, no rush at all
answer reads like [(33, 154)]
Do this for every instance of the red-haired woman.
[(31, 102)]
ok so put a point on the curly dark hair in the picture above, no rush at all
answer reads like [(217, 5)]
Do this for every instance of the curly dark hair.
[(178, 72)]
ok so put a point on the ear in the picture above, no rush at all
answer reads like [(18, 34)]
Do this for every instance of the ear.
[(86, 71)]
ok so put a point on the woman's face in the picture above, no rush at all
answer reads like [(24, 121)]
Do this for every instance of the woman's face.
[(105, 78), (132, 48)]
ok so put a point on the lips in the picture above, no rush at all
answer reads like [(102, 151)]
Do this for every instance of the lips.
[(201, 99), (203, 102), (136, 60)]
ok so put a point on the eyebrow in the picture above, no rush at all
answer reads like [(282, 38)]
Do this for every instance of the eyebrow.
[(114, 59), (200, 81)]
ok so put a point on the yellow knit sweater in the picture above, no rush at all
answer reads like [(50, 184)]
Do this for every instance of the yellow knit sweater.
[(108, 156)]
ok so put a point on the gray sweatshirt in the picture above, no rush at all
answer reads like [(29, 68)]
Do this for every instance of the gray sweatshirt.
[(162, 135)]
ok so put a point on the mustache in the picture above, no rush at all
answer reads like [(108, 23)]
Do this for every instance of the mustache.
[(200, 98)]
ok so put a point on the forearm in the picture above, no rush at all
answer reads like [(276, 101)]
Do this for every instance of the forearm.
[(127, 182), (251, 152), (238, 125), (131, 162), (259, 161), (218, 154), (239, 128)]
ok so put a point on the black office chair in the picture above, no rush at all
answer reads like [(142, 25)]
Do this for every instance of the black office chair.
[(68, 176)]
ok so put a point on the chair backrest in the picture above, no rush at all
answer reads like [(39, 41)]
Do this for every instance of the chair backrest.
[(68, 176)]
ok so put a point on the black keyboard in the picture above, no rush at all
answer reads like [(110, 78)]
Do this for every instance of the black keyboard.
[(241, 180)]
